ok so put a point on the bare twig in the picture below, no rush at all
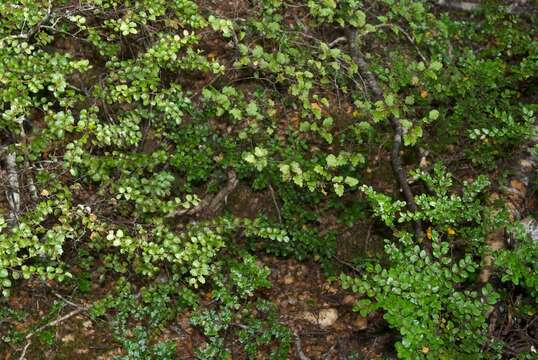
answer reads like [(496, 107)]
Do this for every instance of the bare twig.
[(275, 202), (56, 322), (299, 349), (343, 262), (337, 41), (23, 354), (514, 9), (396, 159), (69, 302)]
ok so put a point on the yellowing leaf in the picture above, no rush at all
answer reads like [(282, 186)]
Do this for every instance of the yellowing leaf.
[(429, 233), (450, 231)]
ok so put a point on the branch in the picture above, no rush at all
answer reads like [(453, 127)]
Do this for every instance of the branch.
[(211, 204), (79, 309), (13, 190), (29, 176), (299, 349), (513, 9), (396, 160), (34, 30)]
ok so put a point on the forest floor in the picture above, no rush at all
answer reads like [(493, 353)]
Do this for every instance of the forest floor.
[(318, 312)]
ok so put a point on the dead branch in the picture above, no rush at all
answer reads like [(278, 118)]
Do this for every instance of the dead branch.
[(299, 349), (211, 204), (396, 159), (517, 8), (56, 322), (78, 310)]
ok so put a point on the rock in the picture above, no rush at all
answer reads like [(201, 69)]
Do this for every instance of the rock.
[(325, 318)]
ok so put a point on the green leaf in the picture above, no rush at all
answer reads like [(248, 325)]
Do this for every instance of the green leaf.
[(331, 160), (351, 181)]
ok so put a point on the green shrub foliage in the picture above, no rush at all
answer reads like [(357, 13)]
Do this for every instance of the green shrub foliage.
[(127, 118)]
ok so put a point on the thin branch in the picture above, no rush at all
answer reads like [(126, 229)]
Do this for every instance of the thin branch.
[(23, 354), (33, 30), (275, 202), (211, 204), (513, 9), (55, 322), (337, 41), (13, 191), (299, 349), (396, 159), (29, 176)]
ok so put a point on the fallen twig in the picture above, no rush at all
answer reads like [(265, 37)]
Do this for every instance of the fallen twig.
[(56, 322), (514, 9), (299, 349), (78, 310)]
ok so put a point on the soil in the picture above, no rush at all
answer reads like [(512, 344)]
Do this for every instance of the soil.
[(318, 312)]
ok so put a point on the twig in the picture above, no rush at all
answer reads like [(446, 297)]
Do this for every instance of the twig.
[(23, 354), (396, 159), (459, 5), (465, 6), (56, 322), (29, 177), (69, 302), (211, 204), (274, 202), (34, 30), (13, 191), (299, 349), (343, 262), (337, 41), (28, 337)]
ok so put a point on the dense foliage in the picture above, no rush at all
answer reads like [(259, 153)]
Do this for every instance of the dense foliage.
[(133, 122)]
